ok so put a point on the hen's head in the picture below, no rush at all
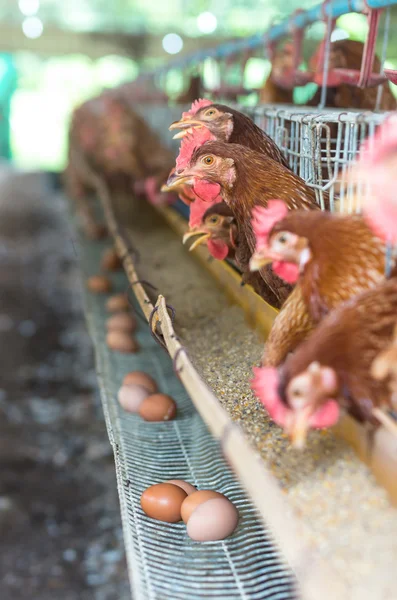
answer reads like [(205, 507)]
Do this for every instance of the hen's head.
[(199, 189), (217, 229), (304, 402), (210, 165), (287, 252), (216, 118)]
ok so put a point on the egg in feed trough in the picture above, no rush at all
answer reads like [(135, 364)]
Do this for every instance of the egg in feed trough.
[(195, 499), (121, 322), (121, 342), (120, 329), (141, 378), (99, 284), (158, 407), (117, 303), (212, 520), (131, 396), (209, 516), (188, 487), (163, 502)]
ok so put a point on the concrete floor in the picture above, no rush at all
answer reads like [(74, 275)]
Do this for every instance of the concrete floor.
[(60, 530)]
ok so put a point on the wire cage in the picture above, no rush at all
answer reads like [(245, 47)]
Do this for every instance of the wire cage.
[(321, 146)]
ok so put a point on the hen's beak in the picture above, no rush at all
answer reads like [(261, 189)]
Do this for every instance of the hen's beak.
[(299, 427), (165, 188), (186, 125), (175, 181), (258, 261), (203, 237)]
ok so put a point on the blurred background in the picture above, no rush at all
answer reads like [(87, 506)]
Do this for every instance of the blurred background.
[(54, 55)]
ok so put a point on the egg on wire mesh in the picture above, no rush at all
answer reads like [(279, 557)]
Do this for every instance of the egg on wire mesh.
[(209, 516), (121, 322), (158, 407), (188, 487), (122, 342), (139, 394), (136, 387), (141, 378), (131, 396), (117, 303), (120, 328), (99, 284), (163, 502)]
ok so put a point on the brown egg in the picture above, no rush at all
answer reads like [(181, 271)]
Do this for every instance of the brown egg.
[(131, 397), (193, 501), (212, 520), (99, 284), (158, 407), (122, 342), (142, 379), (121, 322), (117, 303), (110, 260), (188, 487), (163, 502)]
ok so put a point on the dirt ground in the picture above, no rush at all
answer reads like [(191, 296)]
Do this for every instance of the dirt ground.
[(60, 530)]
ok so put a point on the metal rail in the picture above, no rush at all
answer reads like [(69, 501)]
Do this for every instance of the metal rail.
[(299, 20)]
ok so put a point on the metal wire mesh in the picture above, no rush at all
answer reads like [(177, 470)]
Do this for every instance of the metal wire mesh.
[(321, 146), (164, 562)]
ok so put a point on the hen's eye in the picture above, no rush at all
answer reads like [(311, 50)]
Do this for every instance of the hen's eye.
[(282, 239), (296, 393), (214, 220), (210, 112), (208, 160)]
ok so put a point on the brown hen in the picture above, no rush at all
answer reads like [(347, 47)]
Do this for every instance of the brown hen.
[(246, 179), (108, 137), (335, 361), (347, 54), (335, 257), (229, 125), (282, 62), (218, 229)]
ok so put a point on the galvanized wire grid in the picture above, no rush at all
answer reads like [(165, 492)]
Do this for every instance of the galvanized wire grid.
[(163, 562), (321, 146)]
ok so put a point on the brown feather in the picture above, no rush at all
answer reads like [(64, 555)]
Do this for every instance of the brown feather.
[(248, 134), (258, 180), (347, 259), (348, 340)]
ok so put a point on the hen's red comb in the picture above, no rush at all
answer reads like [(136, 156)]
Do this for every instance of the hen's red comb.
[(195, 107), (190, 142), (264, 219)]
